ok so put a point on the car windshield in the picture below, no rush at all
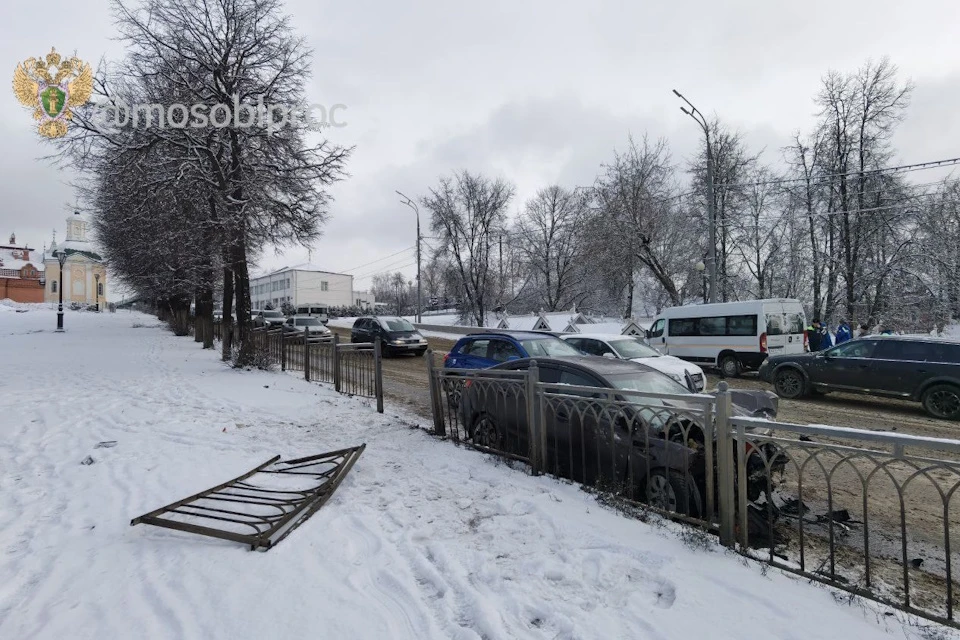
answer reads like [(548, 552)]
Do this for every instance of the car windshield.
[(649, 381), (307, 322), (272, 314), (548, 347), (397, 324), (633, 348)]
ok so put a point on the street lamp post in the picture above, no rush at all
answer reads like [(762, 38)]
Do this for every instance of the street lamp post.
[(96, 277), (413, 205), (711, 213), (700, 267), (61, 258)]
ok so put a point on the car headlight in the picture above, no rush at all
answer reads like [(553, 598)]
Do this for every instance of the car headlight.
[(422, 339), (397, 341)]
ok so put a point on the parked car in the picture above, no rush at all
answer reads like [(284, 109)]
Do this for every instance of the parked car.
[(577, 432), (918, 368), (633, 348), (483, 350), (732, 336), (396, 334), (296, 325), (268, 318)]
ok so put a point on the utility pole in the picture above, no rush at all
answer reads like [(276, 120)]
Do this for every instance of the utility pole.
[(711, 202), (410, 203), (501, 270)]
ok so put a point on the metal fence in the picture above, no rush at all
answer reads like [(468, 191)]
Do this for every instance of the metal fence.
[(353, 369), (867, 512)]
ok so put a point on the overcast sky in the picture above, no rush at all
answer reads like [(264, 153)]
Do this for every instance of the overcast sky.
[(536, 92)]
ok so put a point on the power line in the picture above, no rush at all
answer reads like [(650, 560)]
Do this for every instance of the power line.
[(379, 260), (906, 168)]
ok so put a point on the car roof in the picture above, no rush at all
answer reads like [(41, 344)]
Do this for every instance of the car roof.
[(599, 336), (602, 366), (517, 335), (913, 338)]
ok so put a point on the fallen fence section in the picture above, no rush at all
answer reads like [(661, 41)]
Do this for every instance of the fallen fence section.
[(264, 505)]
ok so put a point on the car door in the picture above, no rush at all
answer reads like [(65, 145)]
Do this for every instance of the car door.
[(573, 423), (777, 329), (847, 366), (902, 365), (658, 338), (474, 355)]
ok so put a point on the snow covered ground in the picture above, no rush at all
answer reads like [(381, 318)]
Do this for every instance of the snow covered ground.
[(422, 540)]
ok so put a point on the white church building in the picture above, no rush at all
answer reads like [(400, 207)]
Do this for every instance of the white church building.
[(84, 273)]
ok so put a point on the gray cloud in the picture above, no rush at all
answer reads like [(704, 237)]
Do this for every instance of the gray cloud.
[(536, 92)]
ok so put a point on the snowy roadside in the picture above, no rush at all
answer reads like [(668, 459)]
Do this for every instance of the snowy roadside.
[(422, 540)]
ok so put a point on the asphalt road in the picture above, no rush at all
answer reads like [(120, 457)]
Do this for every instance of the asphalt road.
[(405, 382)]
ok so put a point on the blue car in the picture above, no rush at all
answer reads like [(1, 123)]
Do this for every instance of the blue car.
[(484, 350)]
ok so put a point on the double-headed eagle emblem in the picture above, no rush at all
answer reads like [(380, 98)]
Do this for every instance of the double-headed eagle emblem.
[(51, 86)]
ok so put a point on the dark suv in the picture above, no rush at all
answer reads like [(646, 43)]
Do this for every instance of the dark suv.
[(396, 335), (917, 368)]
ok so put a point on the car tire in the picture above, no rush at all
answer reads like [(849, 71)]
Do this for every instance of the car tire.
[(942, 401), (789, 383), (486, 433), (673, 492), (730, 366)]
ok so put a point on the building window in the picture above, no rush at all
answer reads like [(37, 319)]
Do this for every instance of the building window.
[(323, 285), (288, 283), (53, 286)]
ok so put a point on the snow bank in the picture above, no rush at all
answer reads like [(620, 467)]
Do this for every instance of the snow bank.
[(422, 540)]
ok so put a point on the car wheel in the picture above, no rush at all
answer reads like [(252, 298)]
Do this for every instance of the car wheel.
[(486, 433), (673, 492), (942, 401), (730, 366), (789, 383)]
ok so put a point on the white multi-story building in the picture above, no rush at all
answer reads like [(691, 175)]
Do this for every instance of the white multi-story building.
[(302, 284)]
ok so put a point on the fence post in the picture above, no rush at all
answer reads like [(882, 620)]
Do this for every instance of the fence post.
[(306, 354), (336, 362), (725, 467), (378, 373), (283, 350), (439, 428), (743, 509), (533, 426)]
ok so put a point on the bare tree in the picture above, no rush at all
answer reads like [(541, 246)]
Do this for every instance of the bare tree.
[(467, 212), (639, 218), (548, 237)]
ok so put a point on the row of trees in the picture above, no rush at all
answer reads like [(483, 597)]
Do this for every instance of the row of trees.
[(834, 224), (180, 210)]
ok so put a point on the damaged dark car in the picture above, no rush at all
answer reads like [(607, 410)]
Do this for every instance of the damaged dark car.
[(652, 451)]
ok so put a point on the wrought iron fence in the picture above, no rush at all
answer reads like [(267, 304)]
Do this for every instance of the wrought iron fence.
[(353, 369), (640, 447), (867, 512)]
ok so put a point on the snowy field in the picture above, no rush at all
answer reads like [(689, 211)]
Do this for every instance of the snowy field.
[(422, 540)]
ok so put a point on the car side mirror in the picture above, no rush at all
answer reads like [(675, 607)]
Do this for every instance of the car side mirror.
[(609, 355), (646, 334)]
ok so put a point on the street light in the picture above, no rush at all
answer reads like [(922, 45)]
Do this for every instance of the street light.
[(413, 205), (61, 258), (96, 277), (701, 267), (711, 214)]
